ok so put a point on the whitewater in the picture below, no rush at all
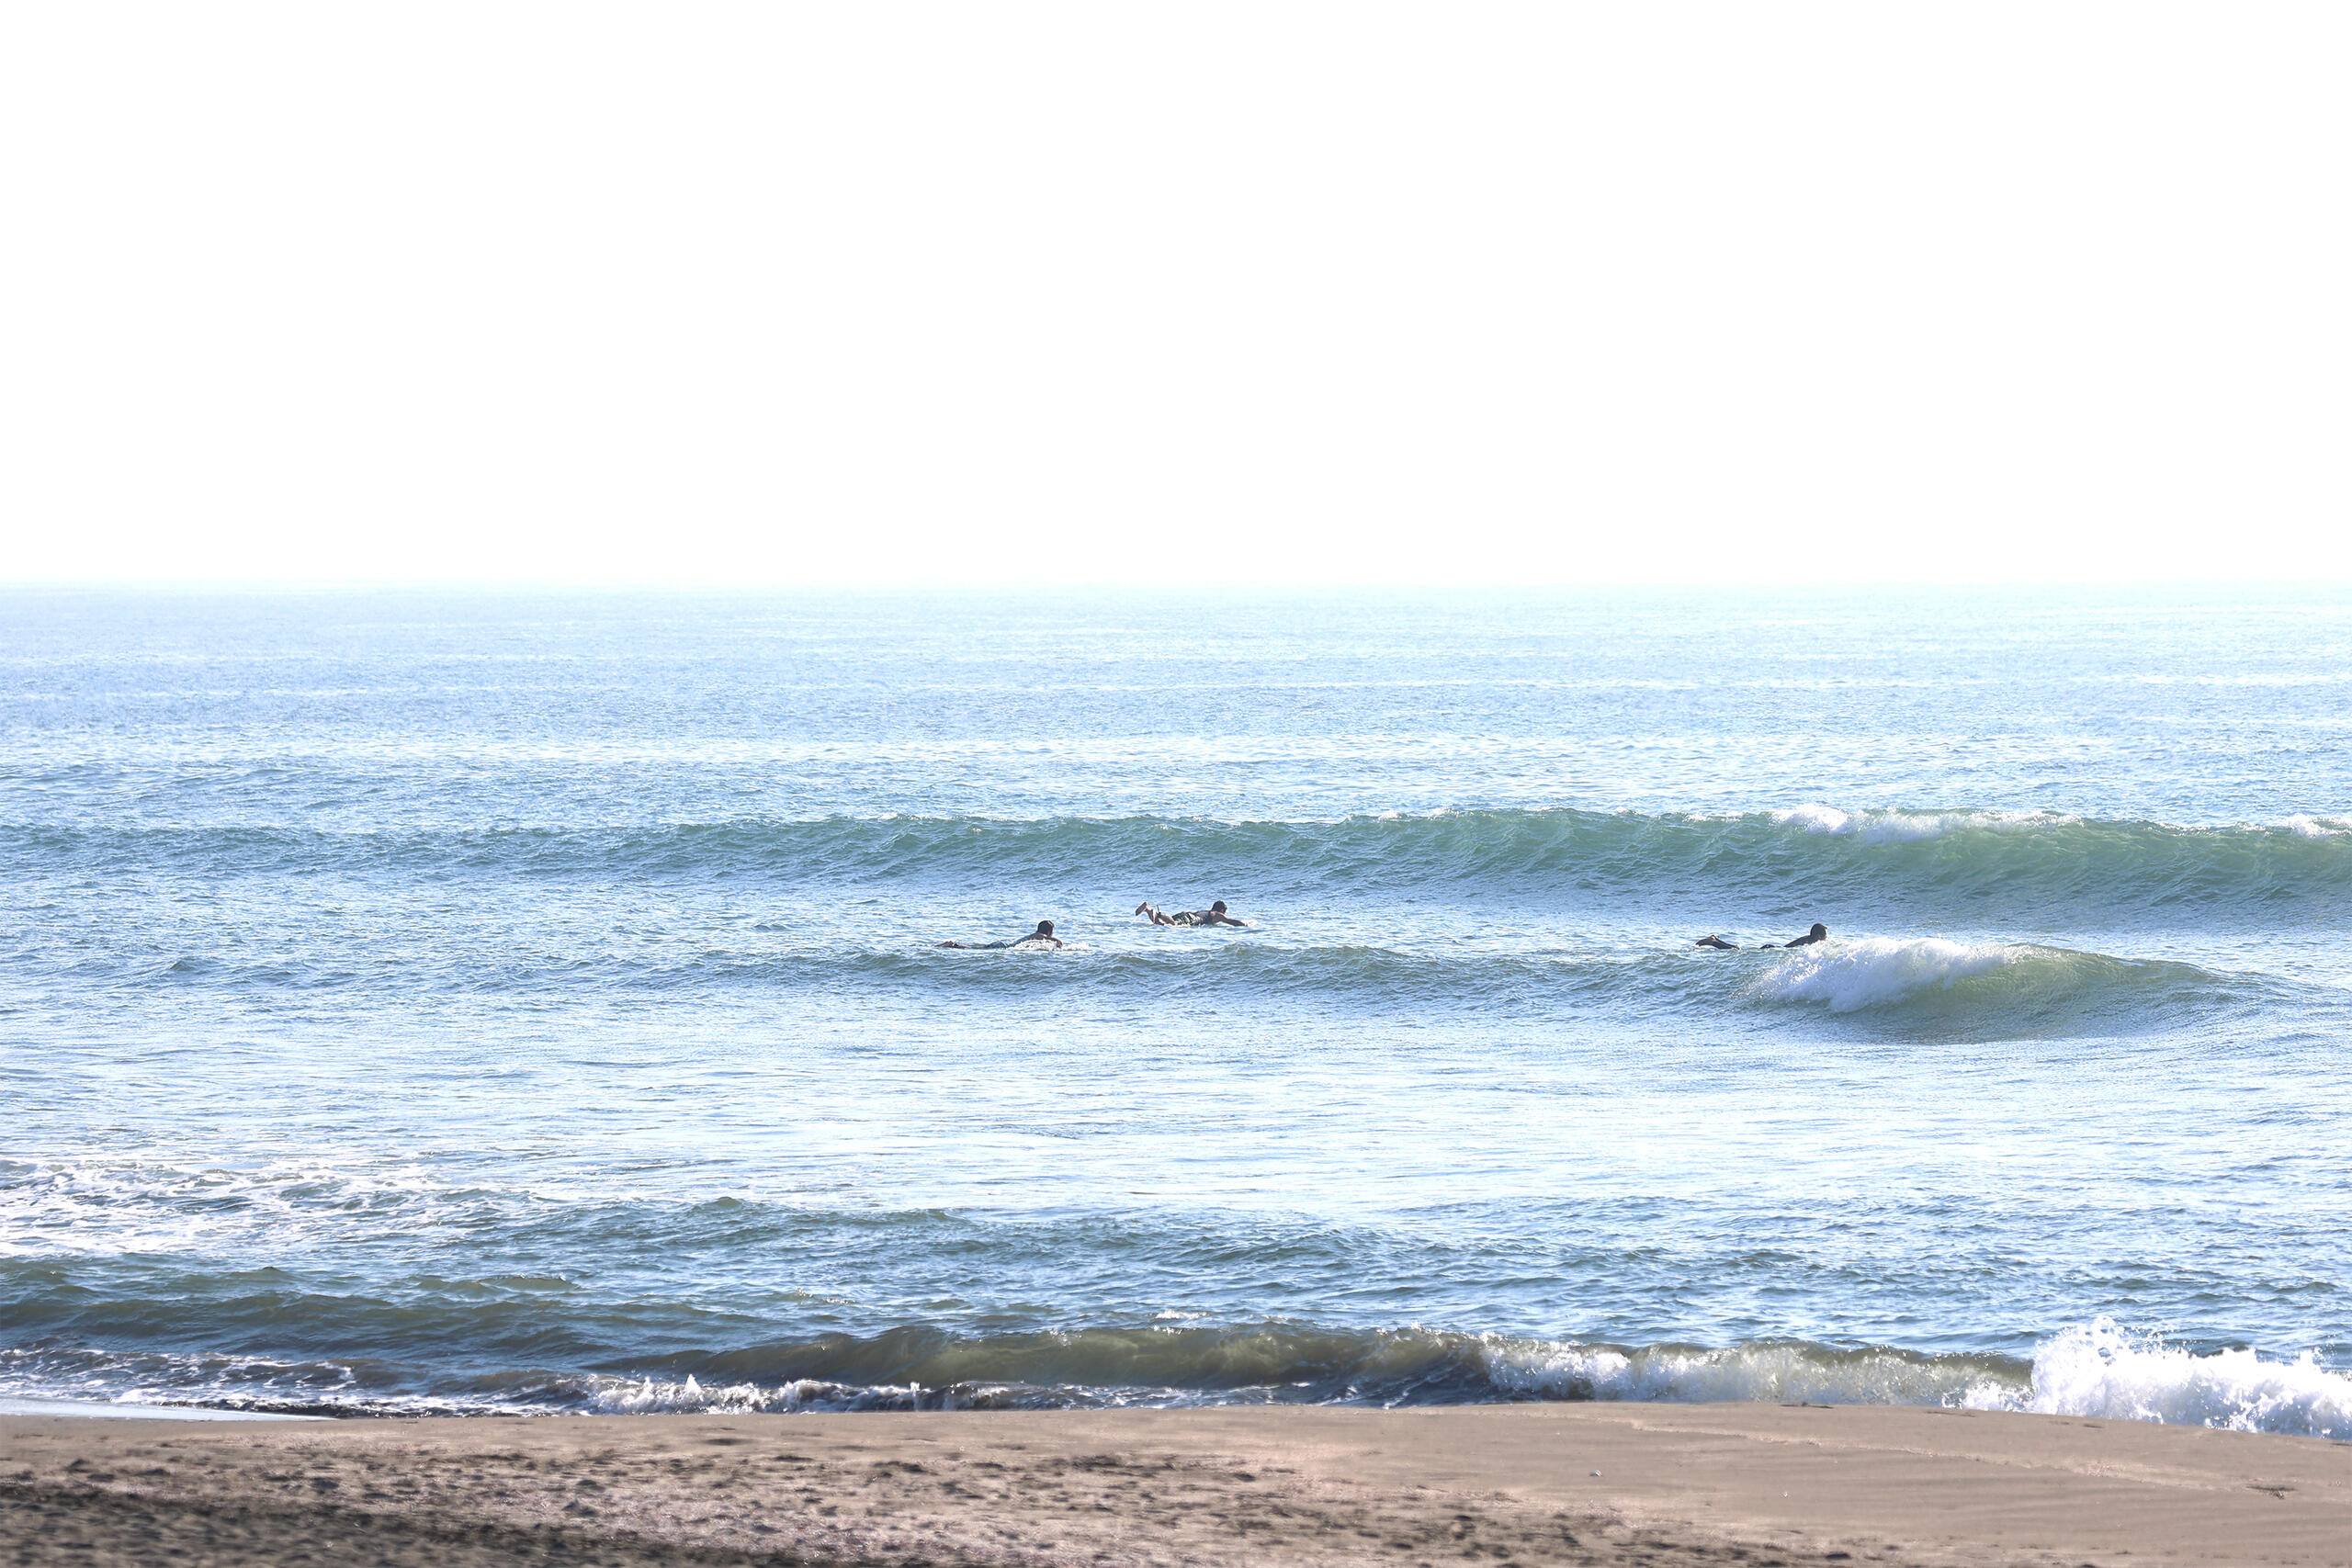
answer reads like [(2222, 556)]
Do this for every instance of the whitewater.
[(419, 1002)]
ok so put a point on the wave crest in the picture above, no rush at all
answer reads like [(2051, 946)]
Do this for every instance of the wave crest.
[(1985, 988), (1874, 971), (2046, 869), (1770, 1371), (2101, 1370), (2096, 1369), (1914, 827)]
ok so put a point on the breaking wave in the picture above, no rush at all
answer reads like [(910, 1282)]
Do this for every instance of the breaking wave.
[(2097, 1369), (1993, 987), (2105, 1370), (1878, 970)]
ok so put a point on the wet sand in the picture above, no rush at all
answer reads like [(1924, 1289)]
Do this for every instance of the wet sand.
[(1750, 1484)]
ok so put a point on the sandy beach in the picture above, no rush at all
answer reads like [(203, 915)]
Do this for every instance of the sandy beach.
[(1568, 1483)]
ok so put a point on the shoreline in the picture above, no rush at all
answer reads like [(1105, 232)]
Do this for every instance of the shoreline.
[(113, 1410), (1528, 1484)]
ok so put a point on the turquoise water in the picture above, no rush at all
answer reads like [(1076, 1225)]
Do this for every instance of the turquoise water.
[(439, 1001)]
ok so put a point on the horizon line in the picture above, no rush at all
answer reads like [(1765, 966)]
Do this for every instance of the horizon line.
[(1111, 586)]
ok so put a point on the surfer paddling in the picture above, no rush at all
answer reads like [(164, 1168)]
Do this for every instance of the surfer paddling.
[(1042, 937), (1819, 933), (1214, 915)]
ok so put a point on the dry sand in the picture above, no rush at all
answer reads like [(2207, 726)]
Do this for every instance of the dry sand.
[(1728, 1484)]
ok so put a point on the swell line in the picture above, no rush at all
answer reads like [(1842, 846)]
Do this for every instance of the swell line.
[(2298, 869)]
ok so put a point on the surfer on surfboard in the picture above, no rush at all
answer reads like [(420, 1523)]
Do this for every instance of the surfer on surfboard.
[(1214, 915), (1819, 933), (1042, 937)]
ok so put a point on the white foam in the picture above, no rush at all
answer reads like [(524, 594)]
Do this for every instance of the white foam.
[(2108, 1372), (2306, 826), (647, 1396), (1872, 971), (121, 1410), (1814, 818), (103, 1207), (1768, 1372), (1910, 826), (2098, 1370)]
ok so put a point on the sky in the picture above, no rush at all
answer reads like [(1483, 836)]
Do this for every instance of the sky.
[(1259, 294)]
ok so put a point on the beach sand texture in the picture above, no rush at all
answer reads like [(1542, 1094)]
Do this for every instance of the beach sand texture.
[(1748, 1484)]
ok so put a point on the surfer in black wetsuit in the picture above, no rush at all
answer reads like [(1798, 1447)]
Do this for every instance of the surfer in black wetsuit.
[(1819, 933), (1042, 937), (1214, 915)]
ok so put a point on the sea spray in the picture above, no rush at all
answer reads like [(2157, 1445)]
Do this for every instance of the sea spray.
[(2102, 1370), (1874, 971)]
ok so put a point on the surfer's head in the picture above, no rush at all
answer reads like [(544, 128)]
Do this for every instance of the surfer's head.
[(1217, 907), (1818, 931), (1045, 928)]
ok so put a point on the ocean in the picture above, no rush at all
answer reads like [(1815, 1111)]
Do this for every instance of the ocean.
[(436, 1001)]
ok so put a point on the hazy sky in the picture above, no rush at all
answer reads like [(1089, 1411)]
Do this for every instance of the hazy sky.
[(1198, 293)]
